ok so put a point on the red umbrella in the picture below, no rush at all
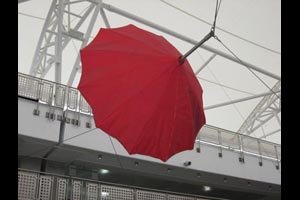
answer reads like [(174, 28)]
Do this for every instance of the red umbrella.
[(140, 93)]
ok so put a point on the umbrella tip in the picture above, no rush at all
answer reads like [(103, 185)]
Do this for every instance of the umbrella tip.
[(181, 59)]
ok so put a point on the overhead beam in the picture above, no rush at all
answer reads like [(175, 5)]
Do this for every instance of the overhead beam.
[(206, 63), (189, 40), (240, 100), (269, 134)]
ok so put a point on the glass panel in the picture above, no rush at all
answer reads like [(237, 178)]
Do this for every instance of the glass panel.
[(268, 149), (250, 145), (208, 135), (230, 140)]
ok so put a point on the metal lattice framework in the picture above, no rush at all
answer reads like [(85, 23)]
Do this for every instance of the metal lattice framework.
[(57, 33), (268, 108)]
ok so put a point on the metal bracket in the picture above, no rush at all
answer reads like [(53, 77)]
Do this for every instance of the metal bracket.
[(75, 122), (241, 159), (50, 115), (88, 125), (36, 112)]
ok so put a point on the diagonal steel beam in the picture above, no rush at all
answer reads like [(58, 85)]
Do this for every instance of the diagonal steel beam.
[(205, 64), (257, 115), (240, 100)]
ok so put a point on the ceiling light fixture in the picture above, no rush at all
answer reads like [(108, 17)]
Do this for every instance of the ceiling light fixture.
[(206, 188), (104, 171)]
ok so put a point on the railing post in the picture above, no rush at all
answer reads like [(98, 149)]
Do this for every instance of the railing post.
[(37, 111), (198, 147), (220, 143), (260, 154), (241, 157), (50, 101), (277, 157)]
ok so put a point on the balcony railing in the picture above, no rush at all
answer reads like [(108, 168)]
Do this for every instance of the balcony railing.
[(69, 98)]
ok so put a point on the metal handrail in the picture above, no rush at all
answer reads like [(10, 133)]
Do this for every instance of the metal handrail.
[(29, 92)]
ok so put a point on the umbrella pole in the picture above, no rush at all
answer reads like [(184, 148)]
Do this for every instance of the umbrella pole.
[(207, 37)]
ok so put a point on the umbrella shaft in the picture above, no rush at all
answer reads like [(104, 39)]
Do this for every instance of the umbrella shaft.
[(207, 37)]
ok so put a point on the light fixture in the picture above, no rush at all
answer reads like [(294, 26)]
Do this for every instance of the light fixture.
[(225, 180), (198, 175), (169, 170), (100, 157), (206, 188), (104, 194), (136, 163), (187, 163), (104, 171)]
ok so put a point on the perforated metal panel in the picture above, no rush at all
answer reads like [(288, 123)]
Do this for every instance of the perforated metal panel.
[(27, 185), (175, 197), (61, 189), (83, 105), (72, 99), (146, 195), (59, 95), (45, 187), (76, 190), (114, 193), (46, 92), (28, 87), (92, 191)]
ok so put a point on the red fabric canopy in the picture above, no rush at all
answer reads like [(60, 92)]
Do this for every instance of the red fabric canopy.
[(139, 92)]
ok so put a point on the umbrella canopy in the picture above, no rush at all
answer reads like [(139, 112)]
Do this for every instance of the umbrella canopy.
[(140, 93)]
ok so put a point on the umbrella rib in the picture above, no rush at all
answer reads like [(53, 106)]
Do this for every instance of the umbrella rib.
[(155, 48), (174, 116), (129, 98), (121, 104), (130, 53), (94, 76), (153, 111), (190, 108)]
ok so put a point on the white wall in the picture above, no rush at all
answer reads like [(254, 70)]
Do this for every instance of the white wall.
[(36, 126), (95, 139)]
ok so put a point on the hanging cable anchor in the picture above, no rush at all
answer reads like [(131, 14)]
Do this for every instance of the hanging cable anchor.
[(207, 37)]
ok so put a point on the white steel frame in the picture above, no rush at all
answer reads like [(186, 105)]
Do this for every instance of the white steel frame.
[(268, 108)]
